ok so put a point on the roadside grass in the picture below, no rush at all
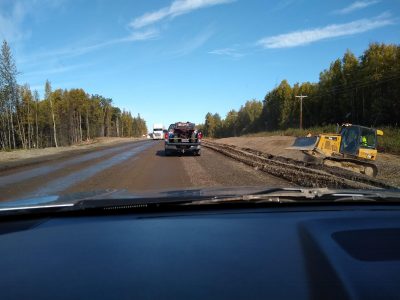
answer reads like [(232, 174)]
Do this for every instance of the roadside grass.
[(388, 143)]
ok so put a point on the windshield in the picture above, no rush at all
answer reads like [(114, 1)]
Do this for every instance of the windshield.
[(368, 138), (252, 93)]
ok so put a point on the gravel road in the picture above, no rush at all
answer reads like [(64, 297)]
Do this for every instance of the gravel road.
[(137, 166)]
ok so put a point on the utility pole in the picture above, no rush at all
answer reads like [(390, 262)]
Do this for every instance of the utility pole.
[(301, 109)]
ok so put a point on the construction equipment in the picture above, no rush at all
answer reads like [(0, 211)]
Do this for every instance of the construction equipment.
[(353, 148)]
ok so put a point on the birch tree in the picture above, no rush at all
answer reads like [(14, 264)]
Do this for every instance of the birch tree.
[(47, 90), (9, 91)]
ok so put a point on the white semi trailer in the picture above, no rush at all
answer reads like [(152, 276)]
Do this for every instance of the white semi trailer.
[(158, 131)]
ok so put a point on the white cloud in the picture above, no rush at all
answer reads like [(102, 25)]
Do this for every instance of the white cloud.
[(133, 37), (13, 13), (54, 70), (140, 36), (176, 8), (194, 43), (304, 37), (231, 52), (10, 22), (356, 6), (281, 5), (84, 49)]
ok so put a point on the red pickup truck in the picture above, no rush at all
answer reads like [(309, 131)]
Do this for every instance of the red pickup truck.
[(182, 137)]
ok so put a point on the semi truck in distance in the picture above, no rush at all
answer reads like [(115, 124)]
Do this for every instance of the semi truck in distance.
[(158, 133)]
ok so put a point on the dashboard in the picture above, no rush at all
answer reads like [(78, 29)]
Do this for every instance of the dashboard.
[(304, 252)]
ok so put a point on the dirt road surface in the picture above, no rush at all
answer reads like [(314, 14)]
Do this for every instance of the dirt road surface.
[(137, 166)]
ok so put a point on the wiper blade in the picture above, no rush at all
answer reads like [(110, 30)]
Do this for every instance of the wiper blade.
[(303, 195), (272, 196)]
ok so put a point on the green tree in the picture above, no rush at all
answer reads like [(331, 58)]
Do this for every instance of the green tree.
[(210, 125), (230, 124), (48, 97), (380, 92), (350, 69), (139, 127), (278, 104), (249, 116), (36, 99), (8, 95)]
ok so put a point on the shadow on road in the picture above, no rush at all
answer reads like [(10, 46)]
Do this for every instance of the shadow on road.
[(162, 153)]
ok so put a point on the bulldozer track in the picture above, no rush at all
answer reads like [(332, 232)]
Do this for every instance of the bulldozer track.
[(304, 174)]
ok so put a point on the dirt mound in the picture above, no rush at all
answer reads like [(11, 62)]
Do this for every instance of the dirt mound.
[(275, 145), (298, 172), (388, 164)]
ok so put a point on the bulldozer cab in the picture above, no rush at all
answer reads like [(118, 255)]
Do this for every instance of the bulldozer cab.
[(356, 137)]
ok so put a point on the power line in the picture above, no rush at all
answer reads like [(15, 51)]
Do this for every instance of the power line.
[(333, 90), (353, 81)]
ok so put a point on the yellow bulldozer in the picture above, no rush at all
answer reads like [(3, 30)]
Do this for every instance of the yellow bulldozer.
[(354, 148)]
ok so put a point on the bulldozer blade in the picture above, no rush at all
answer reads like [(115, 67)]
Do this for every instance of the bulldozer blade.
[(304, 143)]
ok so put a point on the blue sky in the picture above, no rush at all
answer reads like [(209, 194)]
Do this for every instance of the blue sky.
[(176, 60)]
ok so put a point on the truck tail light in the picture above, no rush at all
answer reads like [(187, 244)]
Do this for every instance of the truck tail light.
[(166, 135), (199, 136)]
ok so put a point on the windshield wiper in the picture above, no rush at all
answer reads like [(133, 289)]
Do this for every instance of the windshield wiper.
[(272, 196), (303, 195)]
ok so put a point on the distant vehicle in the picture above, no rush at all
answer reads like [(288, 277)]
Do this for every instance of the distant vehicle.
[(182, 137), (158, 131)]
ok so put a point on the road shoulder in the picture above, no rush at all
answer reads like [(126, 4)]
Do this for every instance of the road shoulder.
[(22, 158), (388, 164)]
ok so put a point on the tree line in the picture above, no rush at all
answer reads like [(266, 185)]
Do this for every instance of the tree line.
[(363, 90), (60, 118)]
